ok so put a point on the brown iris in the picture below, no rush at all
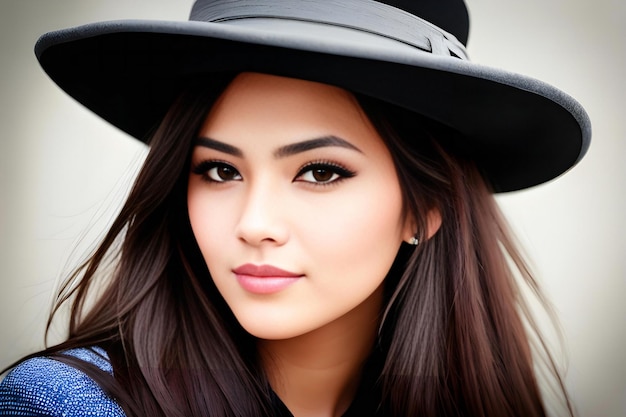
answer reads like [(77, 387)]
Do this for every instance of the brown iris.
[(226, 173), (322, 175)]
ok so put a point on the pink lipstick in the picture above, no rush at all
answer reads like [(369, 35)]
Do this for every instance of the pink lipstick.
[(264, 279)]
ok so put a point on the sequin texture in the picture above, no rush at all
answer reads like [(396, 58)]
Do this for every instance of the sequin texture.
[(46, 387)]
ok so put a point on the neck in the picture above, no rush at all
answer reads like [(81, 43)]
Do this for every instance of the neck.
[(317, 374)]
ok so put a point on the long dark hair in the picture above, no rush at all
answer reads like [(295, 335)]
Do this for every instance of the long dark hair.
[(454, 335), (460, 332)]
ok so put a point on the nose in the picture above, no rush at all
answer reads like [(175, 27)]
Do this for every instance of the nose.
[(261, 221)]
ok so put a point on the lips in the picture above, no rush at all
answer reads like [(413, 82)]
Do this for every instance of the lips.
[(264, 279), (264, 271)]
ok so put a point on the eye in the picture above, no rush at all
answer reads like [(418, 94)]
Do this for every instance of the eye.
[(323, 173), (215, 171)]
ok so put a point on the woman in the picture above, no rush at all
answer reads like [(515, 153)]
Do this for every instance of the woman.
[(313, 231)]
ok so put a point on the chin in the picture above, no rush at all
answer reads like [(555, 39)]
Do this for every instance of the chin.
[(271, 332), (273, 329)]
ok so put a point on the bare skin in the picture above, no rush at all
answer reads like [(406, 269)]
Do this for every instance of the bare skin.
[(290, 176), (317, 374)]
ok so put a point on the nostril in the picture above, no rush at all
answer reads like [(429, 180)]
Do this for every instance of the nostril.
[(262, 224)]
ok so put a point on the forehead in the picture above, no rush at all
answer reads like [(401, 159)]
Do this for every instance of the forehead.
[(285, 109)]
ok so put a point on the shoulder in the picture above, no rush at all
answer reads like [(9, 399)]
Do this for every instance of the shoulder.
[(45, 387)]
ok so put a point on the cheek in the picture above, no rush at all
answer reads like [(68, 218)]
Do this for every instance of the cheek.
[(356, 236), (209, 222)]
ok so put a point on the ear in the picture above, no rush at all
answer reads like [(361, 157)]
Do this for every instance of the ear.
[(433, 222)]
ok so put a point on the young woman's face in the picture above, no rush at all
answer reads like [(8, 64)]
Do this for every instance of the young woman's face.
[(295, 204)]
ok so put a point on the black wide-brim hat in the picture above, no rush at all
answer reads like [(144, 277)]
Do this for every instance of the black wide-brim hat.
[(521, 131)]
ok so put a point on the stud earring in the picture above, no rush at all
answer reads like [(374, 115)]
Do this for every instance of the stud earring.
[(414, 241)]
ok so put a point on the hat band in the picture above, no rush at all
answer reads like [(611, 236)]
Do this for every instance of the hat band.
[(363, 15)]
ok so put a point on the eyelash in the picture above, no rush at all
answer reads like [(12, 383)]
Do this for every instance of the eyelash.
[(203, 169), (338, 171)]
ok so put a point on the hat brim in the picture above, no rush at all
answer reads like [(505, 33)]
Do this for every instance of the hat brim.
[(522, 132)]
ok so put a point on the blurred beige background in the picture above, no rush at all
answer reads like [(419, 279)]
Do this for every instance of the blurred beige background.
[(63, 173)]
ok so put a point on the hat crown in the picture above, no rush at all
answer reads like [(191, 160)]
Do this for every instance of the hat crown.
[(377, 20), (450, 15)]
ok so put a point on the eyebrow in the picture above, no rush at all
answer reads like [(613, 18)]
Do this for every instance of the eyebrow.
[(307, 145), (283, 151), (219, 146)]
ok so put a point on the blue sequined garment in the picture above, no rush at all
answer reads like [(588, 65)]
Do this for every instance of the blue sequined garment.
[(46, 387)]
